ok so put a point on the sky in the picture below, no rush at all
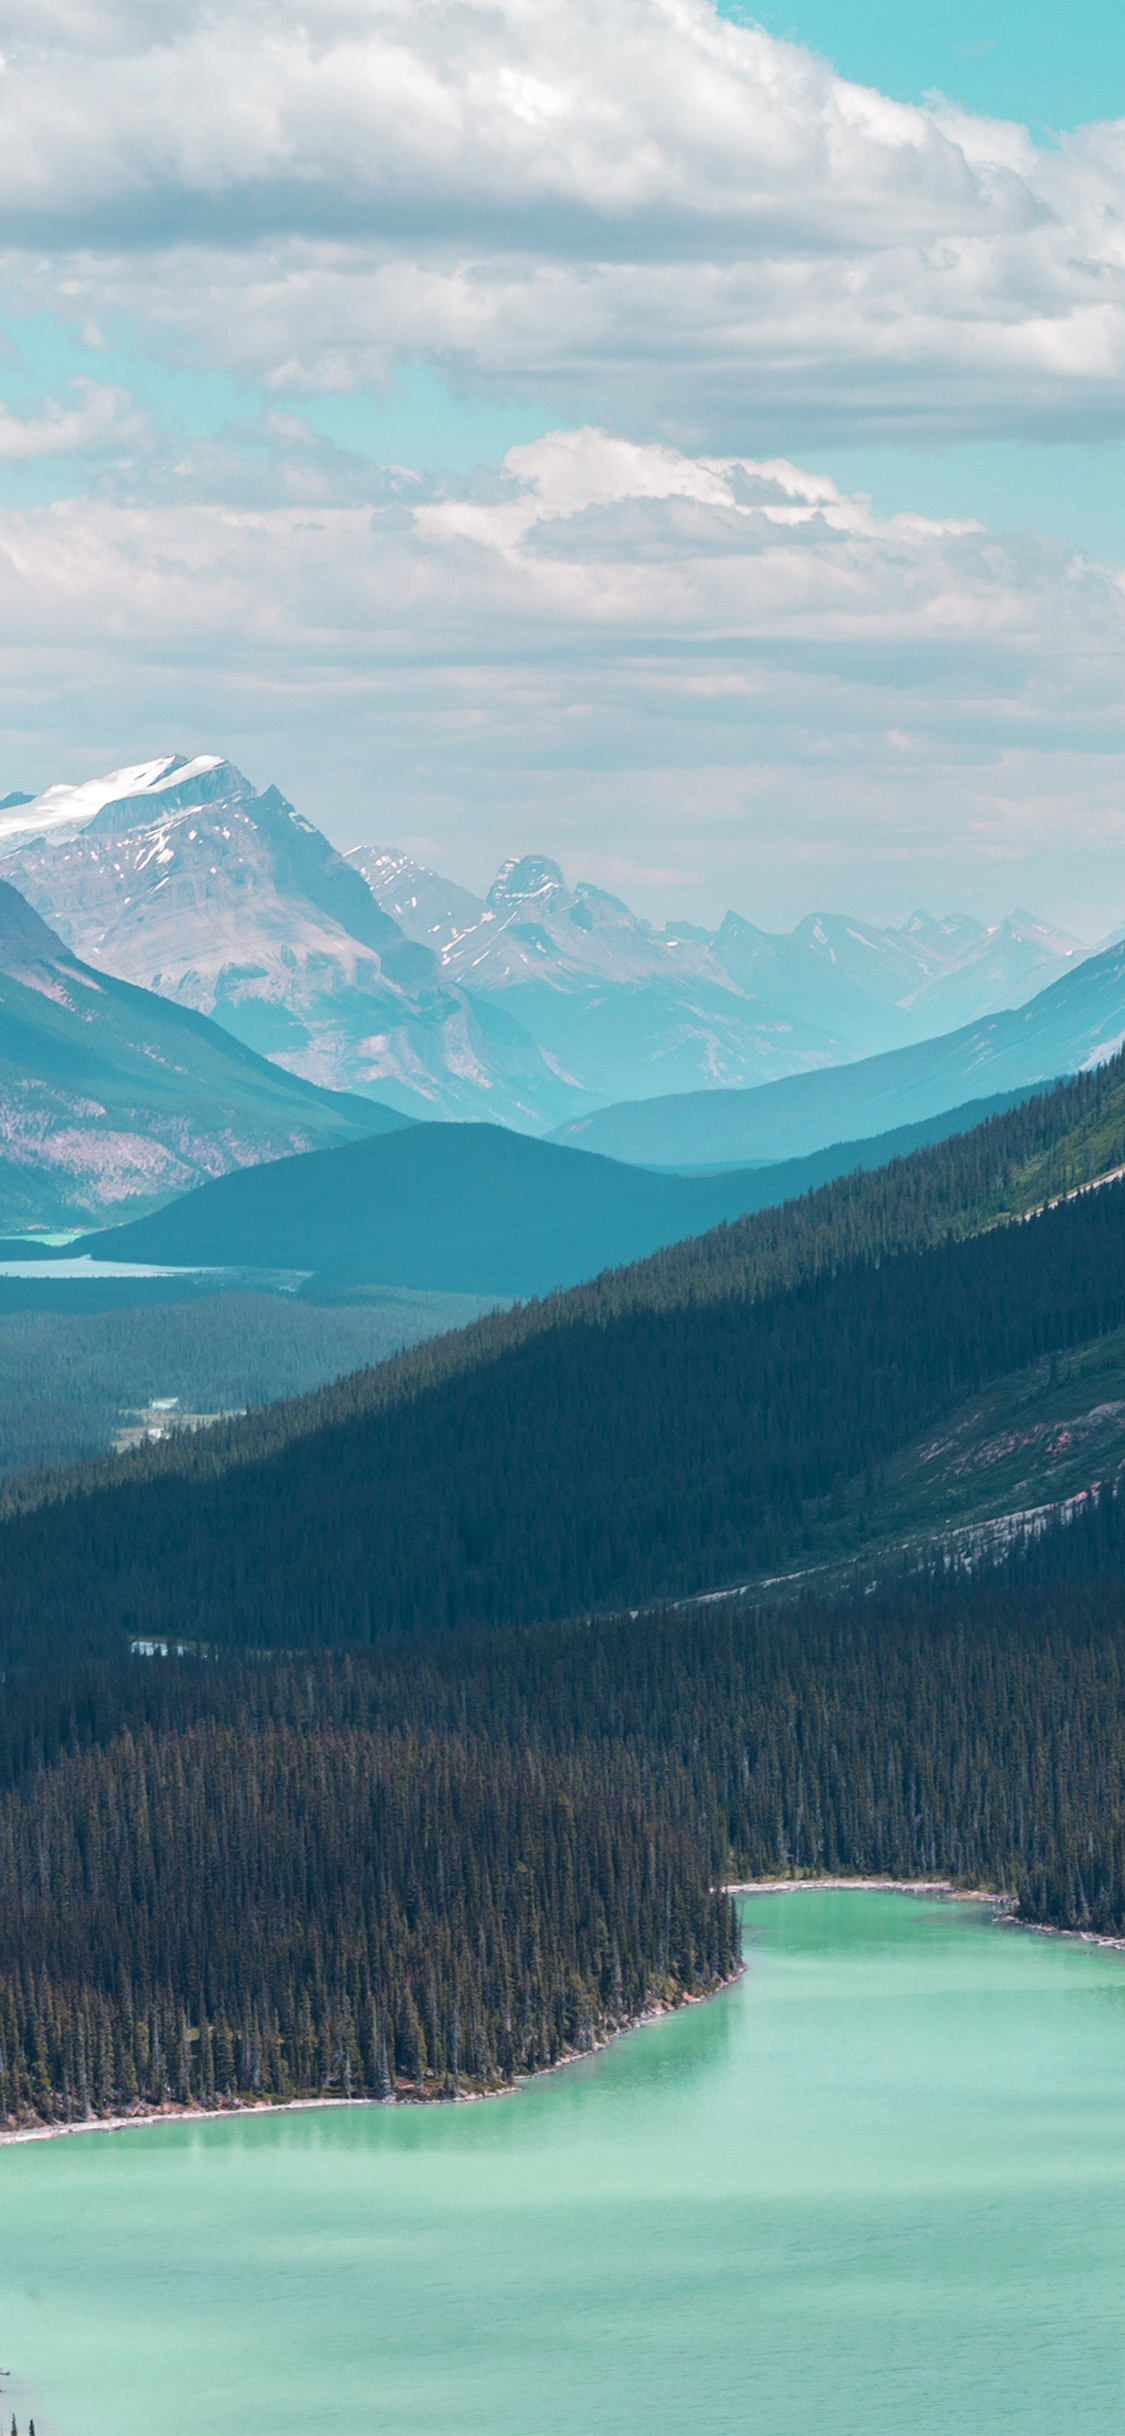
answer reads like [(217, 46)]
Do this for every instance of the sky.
[(689, 444)]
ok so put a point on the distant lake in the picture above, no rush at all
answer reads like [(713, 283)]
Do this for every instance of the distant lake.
[(48, 1272), (876, 2189)]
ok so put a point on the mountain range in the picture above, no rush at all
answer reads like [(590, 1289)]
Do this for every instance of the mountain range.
[(1077, 1022), (607, 996), (370, 974), (181, 878), (111, 1098)]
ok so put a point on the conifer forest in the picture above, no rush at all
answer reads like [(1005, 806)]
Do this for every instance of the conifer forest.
[(389, 1743)]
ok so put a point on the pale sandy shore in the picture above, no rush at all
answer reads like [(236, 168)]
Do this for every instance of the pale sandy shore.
[(890, 1886), (142, 2116)]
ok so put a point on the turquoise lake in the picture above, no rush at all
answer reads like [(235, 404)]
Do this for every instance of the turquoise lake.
[(875, 2189)]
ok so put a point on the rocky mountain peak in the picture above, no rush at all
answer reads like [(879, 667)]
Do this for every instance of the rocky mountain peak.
[(527, 881), (182, 786)]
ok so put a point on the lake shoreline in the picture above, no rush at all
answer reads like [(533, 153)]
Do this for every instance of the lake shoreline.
[(888, 1886), (174, 2111), (1004, 1914)]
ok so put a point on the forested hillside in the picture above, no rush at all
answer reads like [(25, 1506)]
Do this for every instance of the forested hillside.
[(79, 1360), (275, 1911), (1011, 1163), (433, 1867), (648, 1452), (461, 1208), (378, 1823)]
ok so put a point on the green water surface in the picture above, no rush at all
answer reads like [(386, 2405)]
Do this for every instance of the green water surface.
[(876, 2189)]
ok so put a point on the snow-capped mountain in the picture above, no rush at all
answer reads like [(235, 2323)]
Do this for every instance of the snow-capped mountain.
[(622, 1006), (64, 810), (612, 1003), (179, 876), (368, 973)]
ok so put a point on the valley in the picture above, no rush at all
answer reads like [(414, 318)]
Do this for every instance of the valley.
[(562, 1220), (415, 1475), (78, 1361)]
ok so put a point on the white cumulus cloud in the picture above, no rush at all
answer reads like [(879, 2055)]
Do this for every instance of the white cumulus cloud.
[(101, 419), (630, 656), (647, 205)]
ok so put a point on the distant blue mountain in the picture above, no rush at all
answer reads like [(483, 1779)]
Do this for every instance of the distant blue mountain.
[(1078, 1021), (470, 1209)]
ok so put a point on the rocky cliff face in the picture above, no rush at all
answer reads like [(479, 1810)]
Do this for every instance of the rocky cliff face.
[(612, 1003), (192, 884)]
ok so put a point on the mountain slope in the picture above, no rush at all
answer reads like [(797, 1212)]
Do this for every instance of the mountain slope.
[(1078, 1021), (666, 1428), (656, 1452), (1008, 964), (180, 877), (111, 1098), (468, 1209)]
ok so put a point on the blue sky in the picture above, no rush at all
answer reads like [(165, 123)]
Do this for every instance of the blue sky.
[(287, 327), (1052, 66)]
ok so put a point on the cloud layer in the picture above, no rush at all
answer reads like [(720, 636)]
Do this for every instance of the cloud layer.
[(697, 225), (671, 656), (697, 678)]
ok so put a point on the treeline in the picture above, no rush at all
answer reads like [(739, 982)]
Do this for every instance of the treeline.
[(276, 1911), (656, 1454), (442, 1864)]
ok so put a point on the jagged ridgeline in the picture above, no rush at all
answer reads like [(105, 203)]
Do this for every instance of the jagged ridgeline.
[(669, 1427)]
